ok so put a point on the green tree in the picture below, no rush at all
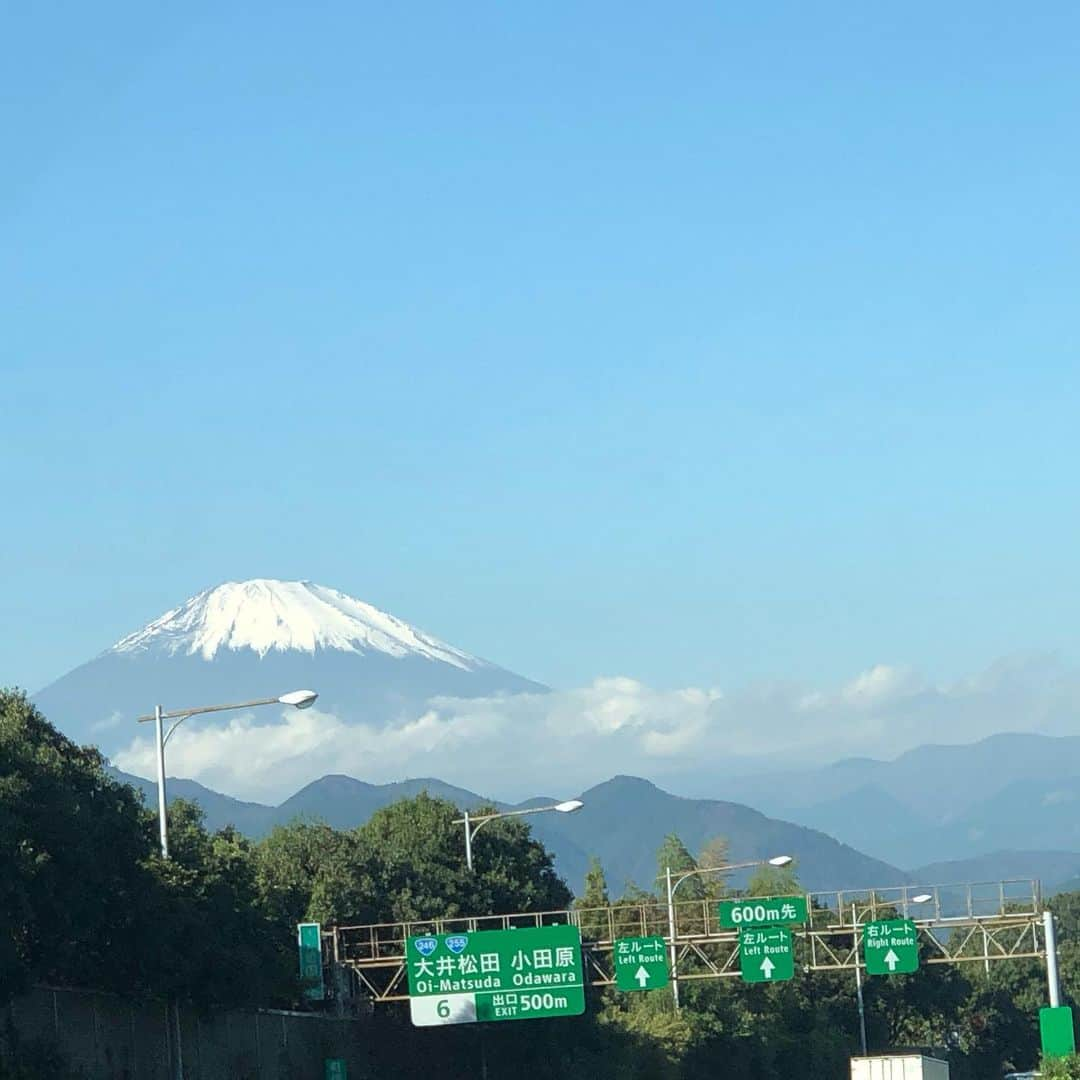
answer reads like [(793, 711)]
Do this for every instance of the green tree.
[(407, 862), (774, 881), (216, 943), (651, 1020), (674, 855), (73, 845), (86, 900), (290, 863), (593, 903), (715, 853), (993, 1029)]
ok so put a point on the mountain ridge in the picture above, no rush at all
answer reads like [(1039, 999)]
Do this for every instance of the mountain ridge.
[(623, 822), (625, 842), (256, 639), (264, 614)]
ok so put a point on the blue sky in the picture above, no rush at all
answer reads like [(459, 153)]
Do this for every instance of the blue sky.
[(703, 345)]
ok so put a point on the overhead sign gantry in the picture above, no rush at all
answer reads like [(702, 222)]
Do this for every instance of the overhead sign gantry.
[(978, 922)]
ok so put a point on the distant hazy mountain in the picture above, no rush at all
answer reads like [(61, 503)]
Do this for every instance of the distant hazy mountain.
[(252, 819), (1038, 811), (623, 822), (872, 820), (340, 801), (626, 819), (345, 803), (962, 806), (1052, 868), (963, 809), (260, 638), (935, 783)]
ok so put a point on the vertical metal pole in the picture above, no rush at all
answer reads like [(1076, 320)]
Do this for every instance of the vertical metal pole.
[(175, 1049), (858, 980), (1051, 959), (671, 937), (468, 841), (179, 1063), (163, 828)]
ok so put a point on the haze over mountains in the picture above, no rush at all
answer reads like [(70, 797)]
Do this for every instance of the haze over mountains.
[(397, 701), (1015, 791), (623, 822)]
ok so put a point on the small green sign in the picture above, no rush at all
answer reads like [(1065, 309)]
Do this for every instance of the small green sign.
[(335, 1069), (765, 954), (521, 974), (763, 911), (1056, 1031), (309, 938), (641, 963), (890, 947)]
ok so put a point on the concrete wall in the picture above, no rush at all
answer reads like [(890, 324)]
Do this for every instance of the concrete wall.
[(111, 1038)]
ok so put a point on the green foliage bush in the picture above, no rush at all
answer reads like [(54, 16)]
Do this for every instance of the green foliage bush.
[(1067, 1068)]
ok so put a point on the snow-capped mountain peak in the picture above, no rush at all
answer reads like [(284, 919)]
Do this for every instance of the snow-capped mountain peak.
[(264, 615)]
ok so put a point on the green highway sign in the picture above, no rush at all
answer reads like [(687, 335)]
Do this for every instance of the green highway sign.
[(641, 963), (519, 974), (765, 954), (890, 947), (309, 939), (763, 911), (1056, 1031)]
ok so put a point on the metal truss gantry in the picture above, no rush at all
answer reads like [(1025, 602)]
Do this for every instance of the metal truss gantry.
[(979, 922)]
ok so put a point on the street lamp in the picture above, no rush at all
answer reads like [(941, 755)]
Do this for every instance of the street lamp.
[(298, 699), (474, 824), (776, 860), (919, 898)]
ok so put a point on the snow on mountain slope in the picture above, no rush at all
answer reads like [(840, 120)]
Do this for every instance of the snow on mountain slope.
[(264, 614), (259, 638)]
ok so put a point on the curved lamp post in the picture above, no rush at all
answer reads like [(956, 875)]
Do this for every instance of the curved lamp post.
[(299, 699), (673, 884), (474, 824)]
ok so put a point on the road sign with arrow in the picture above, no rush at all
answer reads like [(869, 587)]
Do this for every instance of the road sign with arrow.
[(765, 954), (641, 963), (890, 947)]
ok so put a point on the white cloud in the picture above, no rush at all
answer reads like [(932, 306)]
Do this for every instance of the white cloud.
[(113, 720), (1052, 798), (879, 685), (560, 743)]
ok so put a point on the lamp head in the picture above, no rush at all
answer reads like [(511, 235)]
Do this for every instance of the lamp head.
[(781, 860), (922, 898), (299, 699), (569, 806)]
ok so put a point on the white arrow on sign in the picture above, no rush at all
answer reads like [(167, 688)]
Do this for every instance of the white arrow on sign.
[(767, 966), (642, 976), (892, 960)]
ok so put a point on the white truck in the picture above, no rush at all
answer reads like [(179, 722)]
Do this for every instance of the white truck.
[(899, 1067)]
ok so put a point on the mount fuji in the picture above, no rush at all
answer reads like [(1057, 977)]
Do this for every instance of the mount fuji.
[(259, 638)]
